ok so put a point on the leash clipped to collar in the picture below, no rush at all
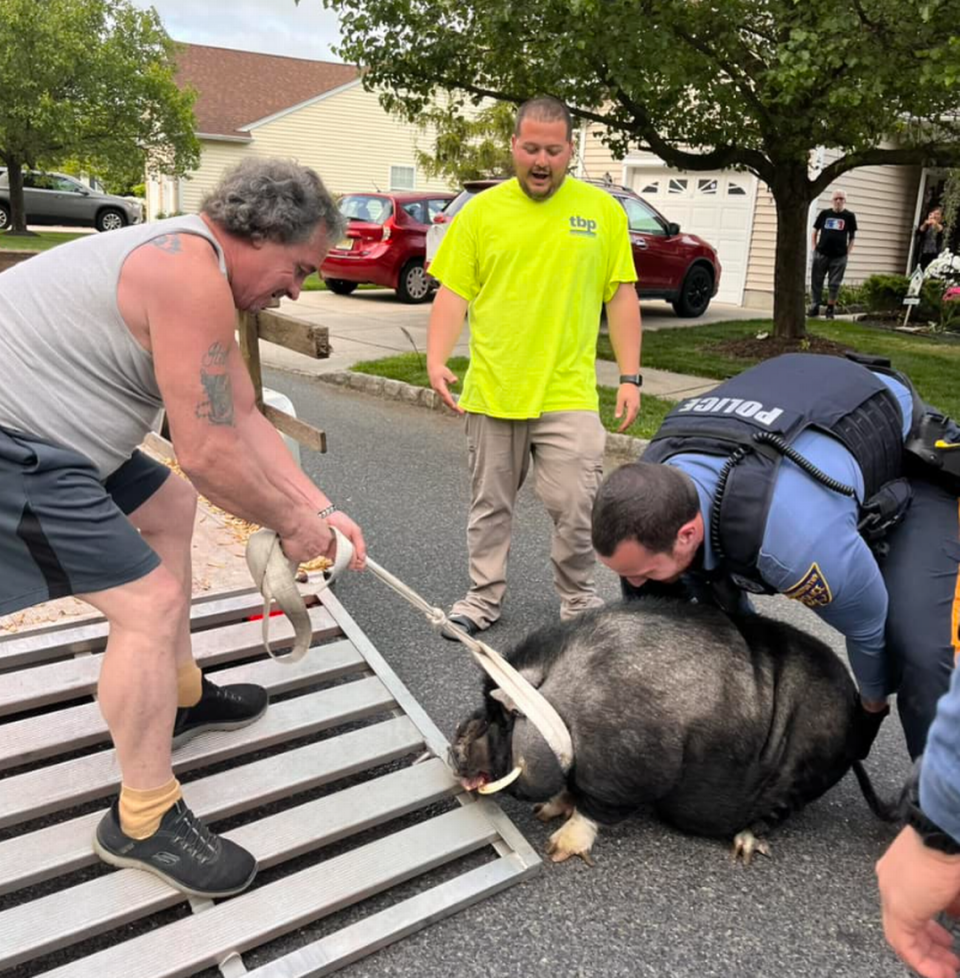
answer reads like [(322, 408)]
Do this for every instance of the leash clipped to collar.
[(274, 575)]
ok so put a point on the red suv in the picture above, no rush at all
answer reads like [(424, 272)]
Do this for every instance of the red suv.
[(384, 243), (681, 268)]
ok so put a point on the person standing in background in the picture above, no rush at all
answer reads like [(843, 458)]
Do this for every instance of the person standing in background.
[(929, 238), (832, 242)]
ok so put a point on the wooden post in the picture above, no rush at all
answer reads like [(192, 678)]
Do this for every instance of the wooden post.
[(312, 341), (249, 337)]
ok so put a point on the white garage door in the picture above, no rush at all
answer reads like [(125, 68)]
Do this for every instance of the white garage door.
[(717, 205)]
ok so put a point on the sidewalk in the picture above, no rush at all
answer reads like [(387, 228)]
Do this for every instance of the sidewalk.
[(370, 325)]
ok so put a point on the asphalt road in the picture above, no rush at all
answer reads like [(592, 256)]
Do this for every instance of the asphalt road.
[(657, 903)]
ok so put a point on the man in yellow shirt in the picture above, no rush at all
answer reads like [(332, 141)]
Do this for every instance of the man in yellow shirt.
[(534, 259)]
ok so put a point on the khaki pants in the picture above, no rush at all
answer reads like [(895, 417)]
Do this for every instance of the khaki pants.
[(566, 448)]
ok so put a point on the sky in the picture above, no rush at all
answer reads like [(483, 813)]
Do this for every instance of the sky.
[(265, 26)]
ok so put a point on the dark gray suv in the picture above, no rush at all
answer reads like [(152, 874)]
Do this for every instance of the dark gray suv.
[(55, 198)]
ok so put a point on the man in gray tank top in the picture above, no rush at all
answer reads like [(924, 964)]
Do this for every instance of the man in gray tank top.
[(95, 337)]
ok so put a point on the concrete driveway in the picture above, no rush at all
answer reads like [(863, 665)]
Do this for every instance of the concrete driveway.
[(368, 325)]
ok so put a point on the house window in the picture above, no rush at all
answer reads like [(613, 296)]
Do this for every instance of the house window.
[(678, 185), (653, 187), (402, 177), (735, 189), (707, 187)]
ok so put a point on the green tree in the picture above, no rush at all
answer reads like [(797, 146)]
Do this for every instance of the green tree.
[(751, 84), (468, 147), (92, 82)]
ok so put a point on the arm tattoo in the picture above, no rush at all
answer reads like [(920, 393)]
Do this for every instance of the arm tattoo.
[(218, 407), (167, 242)]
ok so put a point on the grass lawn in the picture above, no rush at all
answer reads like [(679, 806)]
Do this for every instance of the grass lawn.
[(42, 241), (412, 369), (932, 363)]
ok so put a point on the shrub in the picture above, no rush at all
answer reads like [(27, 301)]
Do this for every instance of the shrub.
[(931, 300), (850, 298), (884, 293)]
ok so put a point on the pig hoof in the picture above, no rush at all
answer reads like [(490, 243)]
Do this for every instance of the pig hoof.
[(745, 844), (558, 855), (575, 838), (549, 810)]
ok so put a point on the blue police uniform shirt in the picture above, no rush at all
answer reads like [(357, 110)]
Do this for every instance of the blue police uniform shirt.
[(940, 773), (811, 548)]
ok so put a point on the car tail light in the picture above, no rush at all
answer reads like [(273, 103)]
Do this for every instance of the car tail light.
[(388, 229)]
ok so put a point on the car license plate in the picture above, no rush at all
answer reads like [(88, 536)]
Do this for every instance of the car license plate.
[(345, 244)]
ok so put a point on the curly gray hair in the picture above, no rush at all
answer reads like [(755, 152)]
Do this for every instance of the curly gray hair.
[(274, 200)]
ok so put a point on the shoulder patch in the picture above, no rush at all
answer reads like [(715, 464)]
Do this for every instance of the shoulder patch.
[(812, 589)]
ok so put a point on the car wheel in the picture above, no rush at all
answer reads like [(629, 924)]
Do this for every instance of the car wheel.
[(414, 285), (340, 285), (110, 220), (695, 293), (4, 217)]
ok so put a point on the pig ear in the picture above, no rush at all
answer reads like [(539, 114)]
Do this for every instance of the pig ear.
[(505, 699)]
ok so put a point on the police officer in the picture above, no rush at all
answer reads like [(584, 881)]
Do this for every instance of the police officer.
[(792, 478)]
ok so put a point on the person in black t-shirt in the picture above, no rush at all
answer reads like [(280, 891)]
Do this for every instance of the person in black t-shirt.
[(832, 241)]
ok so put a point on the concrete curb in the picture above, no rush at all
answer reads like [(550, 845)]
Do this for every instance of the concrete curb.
[(397, 390)]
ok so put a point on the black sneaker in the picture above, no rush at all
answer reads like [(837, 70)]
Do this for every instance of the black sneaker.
[(220, 708), (829, 312), (466, 624), (813, 311), (183, 852)]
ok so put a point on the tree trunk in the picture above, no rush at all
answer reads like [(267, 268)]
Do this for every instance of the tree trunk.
[(18, 217), (791, 193)]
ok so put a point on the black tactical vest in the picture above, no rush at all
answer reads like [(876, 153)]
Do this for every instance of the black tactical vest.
[(755, 417)]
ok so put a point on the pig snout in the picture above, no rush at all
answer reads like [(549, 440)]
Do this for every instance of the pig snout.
[(471, 754)]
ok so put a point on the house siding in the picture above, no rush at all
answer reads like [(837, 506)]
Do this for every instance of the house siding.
[(347, 138), (215, 158), (758, 290), (597, 158)]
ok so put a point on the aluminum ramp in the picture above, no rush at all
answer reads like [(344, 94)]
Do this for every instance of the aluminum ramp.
[(341, 791)]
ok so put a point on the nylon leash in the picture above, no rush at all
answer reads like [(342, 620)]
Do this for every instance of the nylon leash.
[(274, 576)]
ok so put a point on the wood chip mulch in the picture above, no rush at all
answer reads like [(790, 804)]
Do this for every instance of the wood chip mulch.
[(751, 348), (240, 528)]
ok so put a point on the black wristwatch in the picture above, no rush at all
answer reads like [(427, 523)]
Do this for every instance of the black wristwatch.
[(635, 379), (930, 833)]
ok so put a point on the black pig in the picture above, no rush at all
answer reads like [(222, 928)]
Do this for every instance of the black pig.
[(725, 727)]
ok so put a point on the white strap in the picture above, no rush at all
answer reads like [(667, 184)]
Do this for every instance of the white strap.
[(275, 577), (527, 698), (274, 574)]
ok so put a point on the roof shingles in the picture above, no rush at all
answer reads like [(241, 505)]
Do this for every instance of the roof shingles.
[(237, 88)]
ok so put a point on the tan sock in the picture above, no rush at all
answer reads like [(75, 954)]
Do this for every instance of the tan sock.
[(189, 686), (141, 811)]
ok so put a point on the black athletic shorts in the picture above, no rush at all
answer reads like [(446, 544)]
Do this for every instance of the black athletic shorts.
[(63, 530)]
